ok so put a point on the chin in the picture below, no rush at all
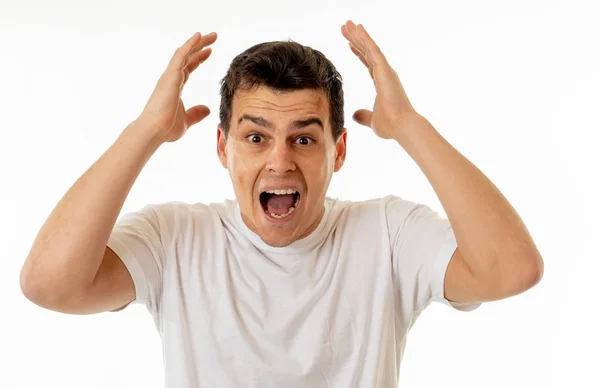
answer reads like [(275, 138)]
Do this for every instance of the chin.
[(277, 242), (276, 238), (276, 235)]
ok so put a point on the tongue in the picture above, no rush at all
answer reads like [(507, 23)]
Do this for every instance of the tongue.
[(280, 204)]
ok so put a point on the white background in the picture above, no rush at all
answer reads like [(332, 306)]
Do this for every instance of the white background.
[(513, 85)]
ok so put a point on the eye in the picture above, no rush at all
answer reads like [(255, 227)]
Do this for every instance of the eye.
[(304, 140), (254, 138)]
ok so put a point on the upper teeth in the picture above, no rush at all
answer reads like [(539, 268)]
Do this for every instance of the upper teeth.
[(282, 192)]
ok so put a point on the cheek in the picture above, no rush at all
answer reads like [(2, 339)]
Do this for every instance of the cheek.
[(243, 168), (317, 172), (322, 172)]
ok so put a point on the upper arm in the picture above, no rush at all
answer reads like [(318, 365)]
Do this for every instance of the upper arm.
[(461, 285), (112, 288), (422, 245), (131, 270)]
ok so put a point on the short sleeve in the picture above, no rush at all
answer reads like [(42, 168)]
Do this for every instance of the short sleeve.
[(136, 240), (423, 243)]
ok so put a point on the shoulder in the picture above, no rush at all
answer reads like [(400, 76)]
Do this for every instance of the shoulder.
[(391, 212), (381, 206), (373, 211), (178, 214)]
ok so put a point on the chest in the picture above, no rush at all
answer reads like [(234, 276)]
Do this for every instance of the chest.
[(302, 318)]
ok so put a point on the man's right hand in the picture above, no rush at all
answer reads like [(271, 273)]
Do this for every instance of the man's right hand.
[(70, 267), (164, 112)]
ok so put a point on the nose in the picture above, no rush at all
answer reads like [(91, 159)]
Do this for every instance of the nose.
[(280, 159)]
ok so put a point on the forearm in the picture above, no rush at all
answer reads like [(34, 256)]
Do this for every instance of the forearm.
[(69, 248), (490, 234)]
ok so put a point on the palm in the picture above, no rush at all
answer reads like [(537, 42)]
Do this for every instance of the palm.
[(166, 108), (180, 123), (377, 122)]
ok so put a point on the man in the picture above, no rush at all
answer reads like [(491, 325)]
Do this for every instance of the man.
[(283, 286)]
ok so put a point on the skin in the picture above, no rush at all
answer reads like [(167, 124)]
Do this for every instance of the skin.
[(264, 156)]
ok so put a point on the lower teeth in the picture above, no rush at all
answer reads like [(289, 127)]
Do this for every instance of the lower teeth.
[(288, 212), (283, 215)]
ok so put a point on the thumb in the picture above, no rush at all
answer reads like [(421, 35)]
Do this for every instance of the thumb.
[(363, 117), (196, 114)]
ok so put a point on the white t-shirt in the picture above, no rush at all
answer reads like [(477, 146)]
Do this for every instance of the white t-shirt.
[(330, 310)]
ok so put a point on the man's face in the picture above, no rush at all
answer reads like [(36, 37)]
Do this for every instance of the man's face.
[(280, 160)]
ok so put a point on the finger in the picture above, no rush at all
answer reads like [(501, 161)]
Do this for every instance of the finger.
[(197, 59), (362, 58), (358, 54), (363, 117), (354, 43), (346, 33), (206, 41), (186, 76), (366, 45), (198, 55), (196, 114), (180, 56), (349, 32), (373, 53)]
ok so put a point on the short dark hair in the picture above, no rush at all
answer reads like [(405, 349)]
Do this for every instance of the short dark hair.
[(283, 66)]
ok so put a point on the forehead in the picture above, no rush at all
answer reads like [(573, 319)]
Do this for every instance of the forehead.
[(288, 103)]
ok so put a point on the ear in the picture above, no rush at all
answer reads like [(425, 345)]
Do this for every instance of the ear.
[(221, 143), (340, 151)]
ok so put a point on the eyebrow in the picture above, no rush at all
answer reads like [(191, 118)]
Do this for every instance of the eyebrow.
[(298, 124)]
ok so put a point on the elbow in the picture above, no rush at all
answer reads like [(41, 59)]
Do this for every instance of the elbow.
[(32, 289), (28, 281), (27, 284), (535, 271), (45, 290), (533, 268), (529, 273)]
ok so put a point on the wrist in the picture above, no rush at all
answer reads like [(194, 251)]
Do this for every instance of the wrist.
[(410, 125), (145, 133)]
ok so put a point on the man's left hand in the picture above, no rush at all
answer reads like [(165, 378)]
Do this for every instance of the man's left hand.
[(392, 110)]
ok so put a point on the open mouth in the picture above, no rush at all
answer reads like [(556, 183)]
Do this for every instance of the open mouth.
[(279, 203)]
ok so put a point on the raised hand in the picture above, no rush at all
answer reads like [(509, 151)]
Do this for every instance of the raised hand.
[(164, 112), (392, 109)]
